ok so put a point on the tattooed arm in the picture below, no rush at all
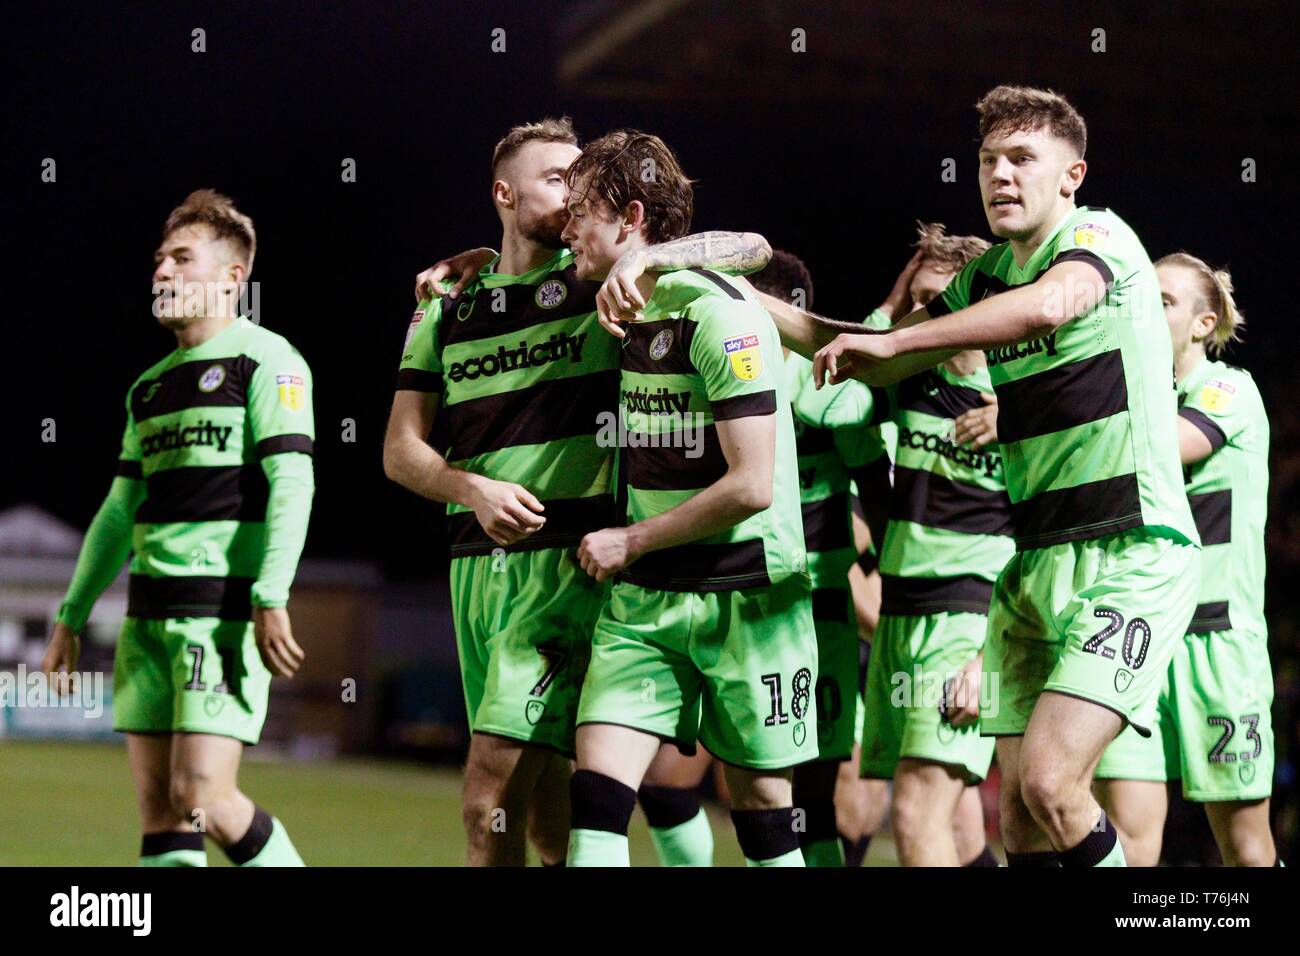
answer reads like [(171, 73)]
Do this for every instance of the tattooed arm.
[(627, 287)]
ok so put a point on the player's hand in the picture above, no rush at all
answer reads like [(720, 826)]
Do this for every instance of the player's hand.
[(280, 652), (506, 512), (849, 352), (900, 296), (463, 268), (625, 291), (961, 694), (866, 605), (603, 554), (979, 426), (60, 659)]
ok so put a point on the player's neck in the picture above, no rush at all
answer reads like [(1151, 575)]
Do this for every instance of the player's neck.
[(1187, 363), (520, 255), (192, 336), (1023, 249)]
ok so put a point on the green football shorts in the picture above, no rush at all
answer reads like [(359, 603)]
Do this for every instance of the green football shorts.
[(912, 657), (735, 670), (1098, 620), (1214, 728), (523, 629), (837, 672), (196, 675)]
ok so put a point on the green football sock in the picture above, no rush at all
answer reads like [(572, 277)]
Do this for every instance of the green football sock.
[(597, 848), (793, 858), (687, 844), (823, 853), (279, 849), (173, 849), (266, 843)]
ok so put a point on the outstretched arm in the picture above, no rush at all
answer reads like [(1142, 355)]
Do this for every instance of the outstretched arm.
[(1066, 291)]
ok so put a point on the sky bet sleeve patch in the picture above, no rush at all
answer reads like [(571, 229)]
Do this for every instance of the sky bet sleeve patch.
[(1090, 235), (291, 389), (1216, 396), (745, 356)]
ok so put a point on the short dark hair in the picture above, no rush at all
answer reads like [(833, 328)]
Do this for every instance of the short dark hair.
[(784, 273), (217, 213), (1017, 109), (626, 166), (548, 130)]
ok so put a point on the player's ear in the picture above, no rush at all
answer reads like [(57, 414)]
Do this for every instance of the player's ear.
[(1203, 325), (633, 216), (503, 194), (1073, 177)]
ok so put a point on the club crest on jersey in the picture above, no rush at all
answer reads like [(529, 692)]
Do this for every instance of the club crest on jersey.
[(550, 294), (1089, 235), (744, 355), (660, 344), (1216, 396), (464, 309), (211, 379), (292, 390)]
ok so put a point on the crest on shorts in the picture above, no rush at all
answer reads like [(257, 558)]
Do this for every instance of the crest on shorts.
[(1216, 396), (947, 732), (292, 390), (1089, 235), (533, 712), (660, 344), (1247, 772), (550, 294), (211, 379), (745, 356), (1123, 679), (213, 705), (800, 733)]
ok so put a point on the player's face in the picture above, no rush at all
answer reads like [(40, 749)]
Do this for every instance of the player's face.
[(594, 232), (1025, 182), (1184, 308), (536, 176), (192, 276), (928, 281)]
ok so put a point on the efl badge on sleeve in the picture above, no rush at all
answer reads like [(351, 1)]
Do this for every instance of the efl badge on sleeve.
[(293, 391), (1089, 235), (1216, 396), (745, 355), (410, 329)]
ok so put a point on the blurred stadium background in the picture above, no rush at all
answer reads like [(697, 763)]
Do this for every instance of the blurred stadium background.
[(832, 153)]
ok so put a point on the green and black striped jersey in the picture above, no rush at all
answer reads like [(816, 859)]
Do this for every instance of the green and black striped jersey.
[(949, 515), (1084, 412), (524, 371), (704, 351), (201, 426), (824, 482), (1228, 493)]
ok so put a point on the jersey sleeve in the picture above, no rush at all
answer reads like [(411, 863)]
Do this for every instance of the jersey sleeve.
[(878, 321), (280, 403), (1219, 408), (737, 353), (1100, 239), (421, 366), (108, 540)]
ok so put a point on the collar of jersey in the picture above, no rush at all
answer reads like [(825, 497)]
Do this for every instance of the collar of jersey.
[(487, 279), (240, 323), (1035, 261), (1198, 377)]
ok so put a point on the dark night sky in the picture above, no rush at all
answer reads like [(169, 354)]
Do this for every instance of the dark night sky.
[(412, 92)]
